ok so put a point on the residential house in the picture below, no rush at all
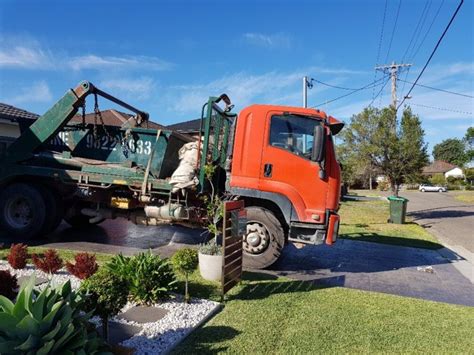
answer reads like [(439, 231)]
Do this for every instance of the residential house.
[(191, 128), (443, 167)]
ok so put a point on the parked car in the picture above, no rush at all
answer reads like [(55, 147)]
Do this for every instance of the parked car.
[(433, 188)]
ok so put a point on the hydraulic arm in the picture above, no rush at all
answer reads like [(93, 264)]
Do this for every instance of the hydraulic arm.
[(53, 121)]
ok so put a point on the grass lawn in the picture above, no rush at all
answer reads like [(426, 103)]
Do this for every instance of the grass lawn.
[(279, 316), (465, 196), (367, 221)]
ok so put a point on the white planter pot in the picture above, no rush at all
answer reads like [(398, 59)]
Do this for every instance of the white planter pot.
[(210, 266)]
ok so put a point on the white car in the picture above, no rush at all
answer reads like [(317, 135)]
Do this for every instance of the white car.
[(433, 188)]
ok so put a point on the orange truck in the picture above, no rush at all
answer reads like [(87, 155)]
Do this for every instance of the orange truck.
[(280, 160)]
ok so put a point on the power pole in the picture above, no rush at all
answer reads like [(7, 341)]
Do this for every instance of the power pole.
[(394, 70), (307, 83)]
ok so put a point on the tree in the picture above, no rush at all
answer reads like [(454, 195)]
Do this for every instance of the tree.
[(452, 150), (185, 261), (469, 144), (396, 150)]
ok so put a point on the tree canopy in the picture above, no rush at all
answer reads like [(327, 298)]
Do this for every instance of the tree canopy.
[(452, 150), (375, 139)]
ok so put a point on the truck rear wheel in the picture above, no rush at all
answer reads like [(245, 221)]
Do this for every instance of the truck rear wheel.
[(54, 210), (22, 211), (264, 239)]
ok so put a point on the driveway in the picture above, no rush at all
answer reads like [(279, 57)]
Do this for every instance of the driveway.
[(412, 272)]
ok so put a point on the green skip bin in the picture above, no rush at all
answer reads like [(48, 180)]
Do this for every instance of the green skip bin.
[(398, 209)]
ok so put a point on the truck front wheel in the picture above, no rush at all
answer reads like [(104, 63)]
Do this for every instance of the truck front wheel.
[(264, 239), (22, 211)]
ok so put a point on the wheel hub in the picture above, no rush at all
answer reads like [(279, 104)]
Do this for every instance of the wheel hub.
[(257, 238), (19, 212)]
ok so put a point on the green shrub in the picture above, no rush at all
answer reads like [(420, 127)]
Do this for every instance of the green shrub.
[(48, 322), (185, 261), (438, 179), (149, 277), (106, 294)]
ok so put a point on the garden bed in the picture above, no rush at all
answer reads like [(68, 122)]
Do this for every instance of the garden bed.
[(178, 319)]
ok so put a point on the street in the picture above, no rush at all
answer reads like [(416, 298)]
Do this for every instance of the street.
[(450, 220)]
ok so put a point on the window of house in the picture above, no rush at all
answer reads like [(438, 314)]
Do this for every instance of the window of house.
[(293, 133)]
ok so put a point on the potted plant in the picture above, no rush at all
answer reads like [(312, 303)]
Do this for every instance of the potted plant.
[(210, 254)]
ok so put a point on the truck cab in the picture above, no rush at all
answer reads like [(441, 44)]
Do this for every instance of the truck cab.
[(284, 166)]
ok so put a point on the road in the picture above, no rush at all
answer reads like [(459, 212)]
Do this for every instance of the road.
[(450, 220)]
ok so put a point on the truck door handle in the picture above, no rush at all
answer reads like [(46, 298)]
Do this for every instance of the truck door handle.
[(267, 170)]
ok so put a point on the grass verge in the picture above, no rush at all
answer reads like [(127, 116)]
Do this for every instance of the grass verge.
[(465, 196), (367, 221), (268, 316)]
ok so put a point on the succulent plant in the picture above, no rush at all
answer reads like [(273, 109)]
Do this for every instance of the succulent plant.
[(47, 322)]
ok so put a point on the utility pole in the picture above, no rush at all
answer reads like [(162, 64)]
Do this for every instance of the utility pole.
[(394, 70), (307, 83)]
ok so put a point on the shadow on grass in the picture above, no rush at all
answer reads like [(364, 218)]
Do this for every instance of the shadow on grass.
[(380, 238), (265, 289), (204, 340)]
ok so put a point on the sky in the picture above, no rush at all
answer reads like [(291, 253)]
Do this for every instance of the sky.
[(168, 57)]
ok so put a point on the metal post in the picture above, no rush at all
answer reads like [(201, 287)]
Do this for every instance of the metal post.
[(305, 91)]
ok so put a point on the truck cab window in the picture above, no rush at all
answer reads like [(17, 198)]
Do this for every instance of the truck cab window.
[(293, 133)]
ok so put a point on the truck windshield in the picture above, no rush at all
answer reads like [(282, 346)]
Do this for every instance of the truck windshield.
[(293, 133)]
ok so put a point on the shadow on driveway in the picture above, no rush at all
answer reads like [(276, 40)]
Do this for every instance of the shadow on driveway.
[(413, 272)]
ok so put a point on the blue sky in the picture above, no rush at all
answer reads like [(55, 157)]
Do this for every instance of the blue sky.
[(167, 57)]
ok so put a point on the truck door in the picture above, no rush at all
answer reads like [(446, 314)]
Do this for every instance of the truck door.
[(287, 168)]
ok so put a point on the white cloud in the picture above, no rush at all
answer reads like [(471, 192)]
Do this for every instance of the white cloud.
[(31, 55), (23, 57), (140, 88), (37, 92), (277, 40), (93, 61)]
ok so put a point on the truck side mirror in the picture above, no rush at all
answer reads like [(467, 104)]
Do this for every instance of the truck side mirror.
[(319, 144)]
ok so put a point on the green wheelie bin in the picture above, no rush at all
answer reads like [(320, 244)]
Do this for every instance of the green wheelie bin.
[(398, 209)]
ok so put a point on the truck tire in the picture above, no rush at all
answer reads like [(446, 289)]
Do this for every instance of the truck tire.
[(54, 210), (22, 211), (264, 239)]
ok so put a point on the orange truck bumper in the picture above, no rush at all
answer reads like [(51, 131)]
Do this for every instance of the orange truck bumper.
[(333, 229)]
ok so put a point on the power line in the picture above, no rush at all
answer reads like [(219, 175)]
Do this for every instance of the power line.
[(432, 53), (420, 30), (429, 29), (442, 90), (368, 86), (393, 30), (415, 31), (333, 86), (380, 91), (380, 43), (442, 109)]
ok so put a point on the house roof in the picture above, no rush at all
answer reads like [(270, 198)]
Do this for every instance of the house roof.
[(12, 113), (438, 166), (187, 126), (110, 117), (113, 118)]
